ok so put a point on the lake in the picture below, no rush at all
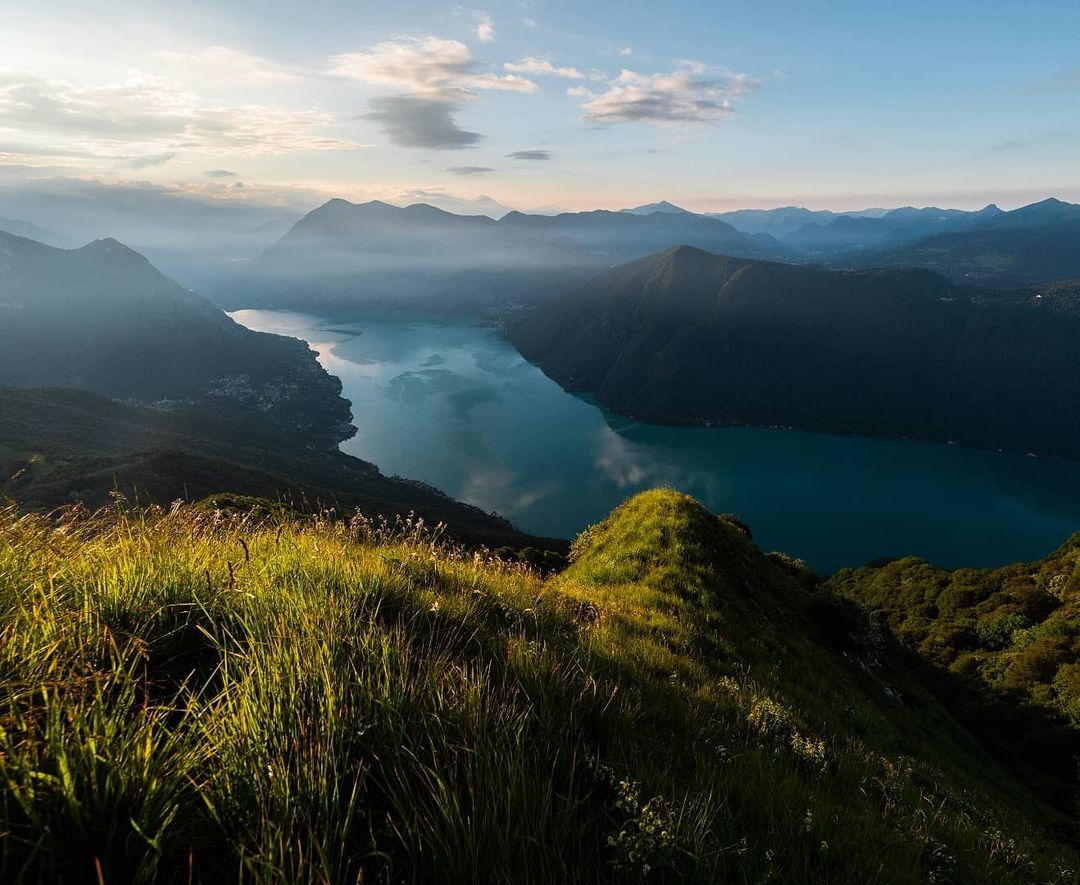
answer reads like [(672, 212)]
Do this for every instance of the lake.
[(450, 402)]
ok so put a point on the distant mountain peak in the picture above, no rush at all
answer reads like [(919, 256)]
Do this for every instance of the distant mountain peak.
[(114, 249), (662, 206)]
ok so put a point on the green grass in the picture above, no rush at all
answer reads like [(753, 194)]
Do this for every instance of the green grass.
[(189, 696)]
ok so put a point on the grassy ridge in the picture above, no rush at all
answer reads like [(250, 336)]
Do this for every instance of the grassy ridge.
[(191, 696)]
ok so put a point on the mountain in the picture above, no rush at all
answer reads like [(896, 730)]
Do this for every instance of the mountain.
[(102, 318), (1032, 245), (662, 206), (785, 220), (347, 255), (18, 228), (689, 337), (187, 697), (846, 233), (113, 378), (778, 222), (60, 446)]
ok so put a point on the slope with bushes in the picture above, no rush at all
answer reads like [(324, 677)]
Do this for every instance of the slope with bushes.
[(188, 696), (1005, 643)]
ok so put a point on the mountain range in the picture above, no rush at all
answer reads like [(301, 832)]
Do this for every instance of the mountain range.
[(1029, 246), (346, 254), (685, 336), (115, 379)]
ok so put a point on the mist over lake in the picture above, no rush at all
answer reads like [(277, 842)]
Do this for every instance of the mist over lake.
[(450, 402)]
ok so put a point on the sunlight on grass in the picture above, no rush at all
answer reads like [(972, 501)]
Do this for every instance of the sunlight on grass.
[(191, 696)]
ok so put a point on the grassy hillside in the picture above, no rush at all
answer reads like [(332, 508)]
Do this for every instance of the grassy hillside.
[(191, 697)]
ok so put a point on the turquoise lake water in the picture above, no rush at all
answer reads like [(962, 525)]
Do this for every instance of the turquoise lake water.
[(452, 403)]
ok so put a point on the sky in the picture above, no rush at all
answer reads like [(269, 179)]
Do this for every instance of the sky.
[(546, 105)]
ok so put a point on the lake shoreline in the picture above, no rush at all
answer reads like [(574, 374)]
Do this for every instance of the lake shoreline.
[(450, 402)]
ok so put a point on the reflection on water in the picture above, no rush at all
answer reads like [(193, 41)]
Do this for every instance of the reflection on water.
[(451, 403)]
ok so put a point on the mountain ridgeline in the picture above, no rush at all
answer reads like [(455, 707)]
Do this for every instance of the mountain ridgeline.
[(114, 379), (102, 318), (687, 337), (373, 254)]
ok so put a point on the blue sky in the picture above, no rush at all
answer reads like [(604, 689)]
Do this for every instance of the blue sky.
[(550, 104)]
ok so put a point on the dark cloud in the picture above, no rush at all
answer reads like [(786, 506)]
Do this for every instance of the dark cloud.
[(530, 155), (421, 122), (219, 173), (468, 171)]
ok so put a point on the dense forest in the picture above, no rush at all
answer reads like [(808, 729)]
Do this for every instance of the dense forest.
[(687, 337)]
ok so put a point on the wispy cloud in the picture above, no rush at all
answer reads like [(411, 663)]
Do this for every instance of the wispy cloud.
[(469, 171), (235, 64), (693, 93), (148, 160), (1043, 139), (529, 155), (142, 119), (485, 27), (542, 67), (436, 76), (219, 173)]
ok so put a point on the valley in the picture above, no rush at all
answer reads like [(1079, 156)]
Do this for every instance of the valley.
[(449, 401)]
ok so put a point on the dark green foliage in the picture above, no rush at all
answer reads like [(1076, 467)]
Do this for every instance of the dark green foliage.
[(686, 337), (1009, 639)]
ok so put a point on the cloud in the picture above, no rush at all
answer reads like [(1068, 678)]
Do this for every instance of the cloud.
[(542, 67), (693, 93), (485, 27), (430, 65), (420, 122), (237, 65), (469, 171), (626, 50), (579, 92), (219, 173), (148, 160), (529, 22), (141, 119), (436, 77), (530, 155)]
